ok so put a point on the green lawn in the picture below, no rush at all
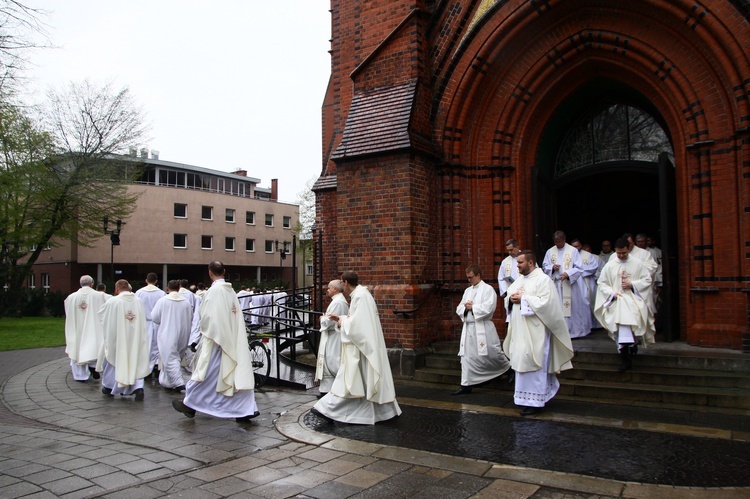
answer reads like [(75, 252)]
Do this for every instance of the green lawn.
[(31, 332)]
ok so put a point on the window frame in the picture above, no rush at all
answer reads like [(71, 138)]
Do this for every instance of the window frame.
[(253, 217), (174, 241), (227, 215), (203, 208), (174, 211), (272, 248), (247, 239), (267, 219), (211, 242), (286, 222), (227, 239)]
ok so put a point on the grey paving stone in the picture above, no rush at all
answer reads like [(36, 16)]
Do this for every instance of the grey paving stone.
[(139, 492), (139, 466), (181, 464), (387, 467), (73, 463), (66, 485), (19, 489), (96, 470), (261, 475), (279, 488), (115, 480), (332, 489), (228, 486), (118, 459)]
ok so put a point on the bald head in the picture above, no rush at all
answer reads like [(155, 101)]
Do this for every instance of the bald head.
[(121, 286)]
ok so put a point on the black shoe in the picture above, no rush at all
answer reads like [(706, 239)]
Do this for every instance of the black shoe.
[(178, 389), (321, 415), (530, 411), (634, 350), (179, 406), (93, 372), (627, 363), (321, 395), (138, 392), (107, 391), (464, 390), (511, 376), (245, 419), (82, 380)]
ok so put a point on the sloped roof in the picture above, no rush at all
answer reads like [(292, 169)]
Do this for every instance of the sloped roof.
[(378, 121)]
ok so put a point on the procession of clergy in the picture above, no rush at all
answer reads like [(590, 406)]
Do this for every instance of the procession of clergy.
[(125, 336), (122, 338), (571, 293)]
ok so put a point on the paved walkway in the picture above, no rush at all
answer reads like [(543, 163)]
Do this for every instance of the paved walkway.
[(60, 438)]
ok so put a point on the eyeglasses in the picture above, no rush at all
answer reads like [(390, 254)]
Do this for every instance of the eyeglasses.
[(470, 277)]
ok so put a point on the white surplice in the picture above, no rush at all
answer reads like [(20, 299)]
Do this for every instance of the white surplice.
[(482, 357), (222, 382), (83, 331), (149, 295), (573, 292), (125, 347), (538, 342), (507, 274), (173, 316), (246, 302), (329, 349), (363, 391), (630, 308)]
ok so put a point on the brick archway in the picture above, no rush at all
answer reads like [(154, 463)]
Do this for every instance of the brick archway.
[(523, 59)]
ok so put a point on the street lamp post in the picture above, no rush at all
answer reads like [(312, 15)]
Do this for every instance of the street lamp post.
[(114, 238), (282, 256)]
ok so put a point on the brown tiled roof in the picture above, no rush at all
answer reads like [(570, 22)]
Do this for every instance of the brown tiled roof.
[(378, 121), (325, 182)]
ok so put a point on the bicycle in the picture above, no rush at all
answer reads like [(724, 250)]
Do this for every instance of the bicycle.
[(260, 356)]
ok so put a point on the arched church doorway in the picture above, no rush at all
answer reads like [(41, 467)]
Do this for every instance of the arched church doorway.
[(606, 168)]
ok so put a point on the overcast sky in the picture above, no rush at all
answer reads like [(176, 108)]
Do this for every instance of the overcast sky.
[(226, 84)]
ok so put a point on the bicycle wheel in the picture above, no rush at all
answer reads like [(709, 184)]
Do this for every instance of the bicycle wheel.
[(261, 359)]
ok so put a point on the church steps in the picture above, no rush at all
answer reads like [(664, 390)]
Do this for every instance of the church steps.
[(672, 376)]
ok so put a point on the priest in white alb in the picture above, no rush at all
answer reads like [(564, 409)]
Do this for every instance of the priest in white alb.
[(222, 384), (622, 299), (83, 331), (482, 357), (363, 391), (124, 356), (508, 268), (173, 316), (590, 273), (562, 263), (149, 295), (538, 343), (329, 349)]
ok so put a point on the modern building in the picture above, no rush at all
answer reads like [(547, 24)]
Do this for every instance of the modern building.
[(186, 217), (450, 127)]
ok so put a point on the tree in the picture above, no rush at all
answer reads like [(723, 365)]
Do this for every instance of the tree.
[(20, 27), (306, 201), (61, 177)]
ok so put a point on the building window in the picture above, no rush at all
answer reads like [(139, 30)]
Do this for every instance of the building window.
[(45, 282), (250, 217), (180, 210), (250, 245), (229, 217), (207, 242), (269, 220), (180, 241), (287, 247), (207, 213), (269, 246), (31, 281), (229, 243), (287, 222), (309, 269)]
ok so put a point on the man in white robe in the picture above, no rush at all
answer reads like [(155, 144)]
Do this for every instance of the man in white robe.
[(222, 384), (590, 271), (102, 288), (173, 316), (482, 357), (186, 293), (124, 356), (245, 299), (538, 343), (641, 241), (508, 267), (651, 266), (363, 391), (562, 263), (622, 302), (83, 331), (606, 252), (329, 349), (149, 295)]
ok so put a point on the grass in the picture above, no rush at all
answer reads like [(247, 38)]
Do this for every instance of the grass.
[(31, 332)]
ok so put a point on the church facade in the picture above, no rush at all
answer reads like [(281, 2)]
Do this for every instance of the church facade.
[(452, 126)]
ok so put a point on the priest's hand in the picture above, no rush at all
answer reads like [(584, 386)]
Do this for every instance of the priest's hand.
[(468, 305), (626, 284), (333, 317), (555, 267), (564, 276), (515, 298)]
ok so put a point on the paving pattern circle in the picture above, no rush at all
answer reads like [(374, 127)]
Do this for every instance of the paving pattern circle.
[(617, 454)]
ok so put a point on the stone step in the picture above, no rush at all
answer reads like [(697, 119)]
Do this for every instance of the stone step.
[(443, 361), (446, 347), (739, 363), (633, 394), (657, 375), (452, 378)]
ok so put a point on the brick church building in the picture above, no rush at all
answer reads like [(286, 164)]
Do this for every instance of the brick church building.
[(452, 126)]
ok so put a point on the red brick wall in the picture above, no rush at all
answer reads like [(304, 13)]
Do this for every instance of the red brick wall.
[(484, 98)]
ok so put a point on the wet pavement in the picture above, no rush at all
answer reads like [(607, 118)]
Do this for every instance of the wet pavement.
[(60, 438), (617, 454)]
